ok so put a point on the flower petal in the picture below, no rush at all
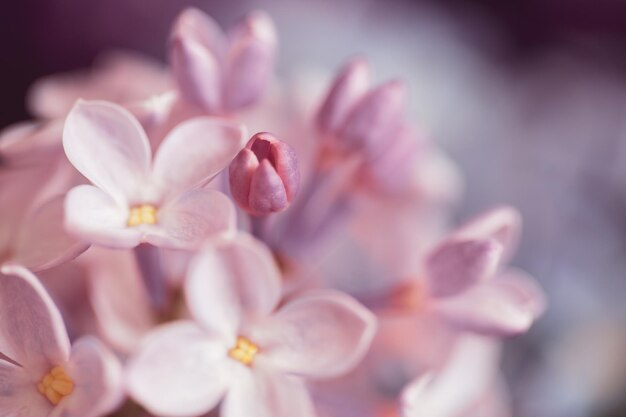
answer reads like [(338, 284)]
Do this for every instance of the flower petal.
[(195, 151), (18, 393), (230, 278), (505, 306), (107, 145), (97, 376), (42, 241), (192, 218), (262, 393), (250, 61), (32, 332), (97, 218), (456, 265), (114, 279), (460, 385), (501, 223), (349, 86), (320, 335), (179, 371)]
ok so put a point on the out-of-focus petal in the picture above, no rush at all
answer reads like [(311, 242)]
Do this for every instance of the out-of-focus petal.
[(179, 371), (97, 376), (192, 218), (97, 218), (18, 393), (319, 335), (114, 279), (263, 393), (229, 279), (195, 151), (107, 145), (349, 86), (32, 332), (374, 118), (500, 307), (502, 224), (456, 265), (193, 23), (250, 61), (460, 385), (42, 241)]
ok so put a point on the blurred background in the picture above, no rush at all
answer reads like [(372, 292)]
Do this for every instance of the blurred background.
[(527, 96)]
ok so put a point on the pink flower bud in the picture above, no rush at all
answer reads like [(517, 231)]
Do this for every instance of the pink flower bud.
[(264, 176)]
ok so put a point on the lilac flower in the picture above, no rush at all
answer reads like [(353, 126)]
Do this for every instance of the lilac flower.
[(41, 375), (466, 386), (219, 73), (135, 199), (244, 347), (264, 176), (465, 284)]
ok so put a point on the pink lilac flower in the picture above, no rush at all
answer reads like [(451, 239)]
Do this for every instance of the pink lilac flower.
[(465, 282), (464, 387), (245, 348), (264, 176), (217, 72), (136, 199), (41, 375)]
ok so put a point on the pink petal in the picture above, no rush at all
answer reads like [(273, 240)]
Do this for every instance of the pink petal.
[(469, 374), (263, 393), (267, 192), (193, 23), (43, 242), (505, 306), (32, 332), (192, 218), (107, 145), (374, 118), (195, 151), (97, 218), (114, 279), (349, 86), (456, 265), (250, 61), (240, 175), (229, 279), (502, 224), (97, 376), (18, 393), (322, 334), (179, 371)]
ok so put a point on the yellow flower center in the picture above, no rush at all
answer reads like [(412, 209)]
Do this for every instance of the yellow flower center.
[(55, 385), (244, 351), (143, 214)]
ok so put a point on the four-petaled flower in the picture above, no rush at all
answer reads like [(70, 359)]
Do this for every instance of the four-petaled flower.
[(244, 347), (135, 199)]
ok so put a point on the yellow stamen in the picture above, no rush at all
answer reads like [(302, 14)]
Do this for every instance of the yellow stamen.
[(55, 385), (244, 351), (143, 214)]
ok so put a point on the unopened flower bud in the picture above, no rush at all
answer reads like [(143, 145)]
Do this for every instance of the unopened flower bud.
[(264, 176)]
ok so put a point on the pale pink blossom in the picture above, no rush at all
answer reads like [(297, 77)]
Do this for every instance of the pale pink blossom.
[(120, 76), (136, 198), (468, 384), (218, 72), (466, 283), (245, 348), (41, 375)]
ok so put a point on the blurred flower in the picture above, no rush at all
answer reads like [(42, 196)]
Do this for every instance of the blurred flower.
[(134, 200), (219, 73), (41, 374), (264, 176), (241, 348)]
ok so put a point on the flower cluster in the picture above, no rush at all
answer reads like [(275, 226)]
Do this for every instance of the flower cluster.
[(187, 268)]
